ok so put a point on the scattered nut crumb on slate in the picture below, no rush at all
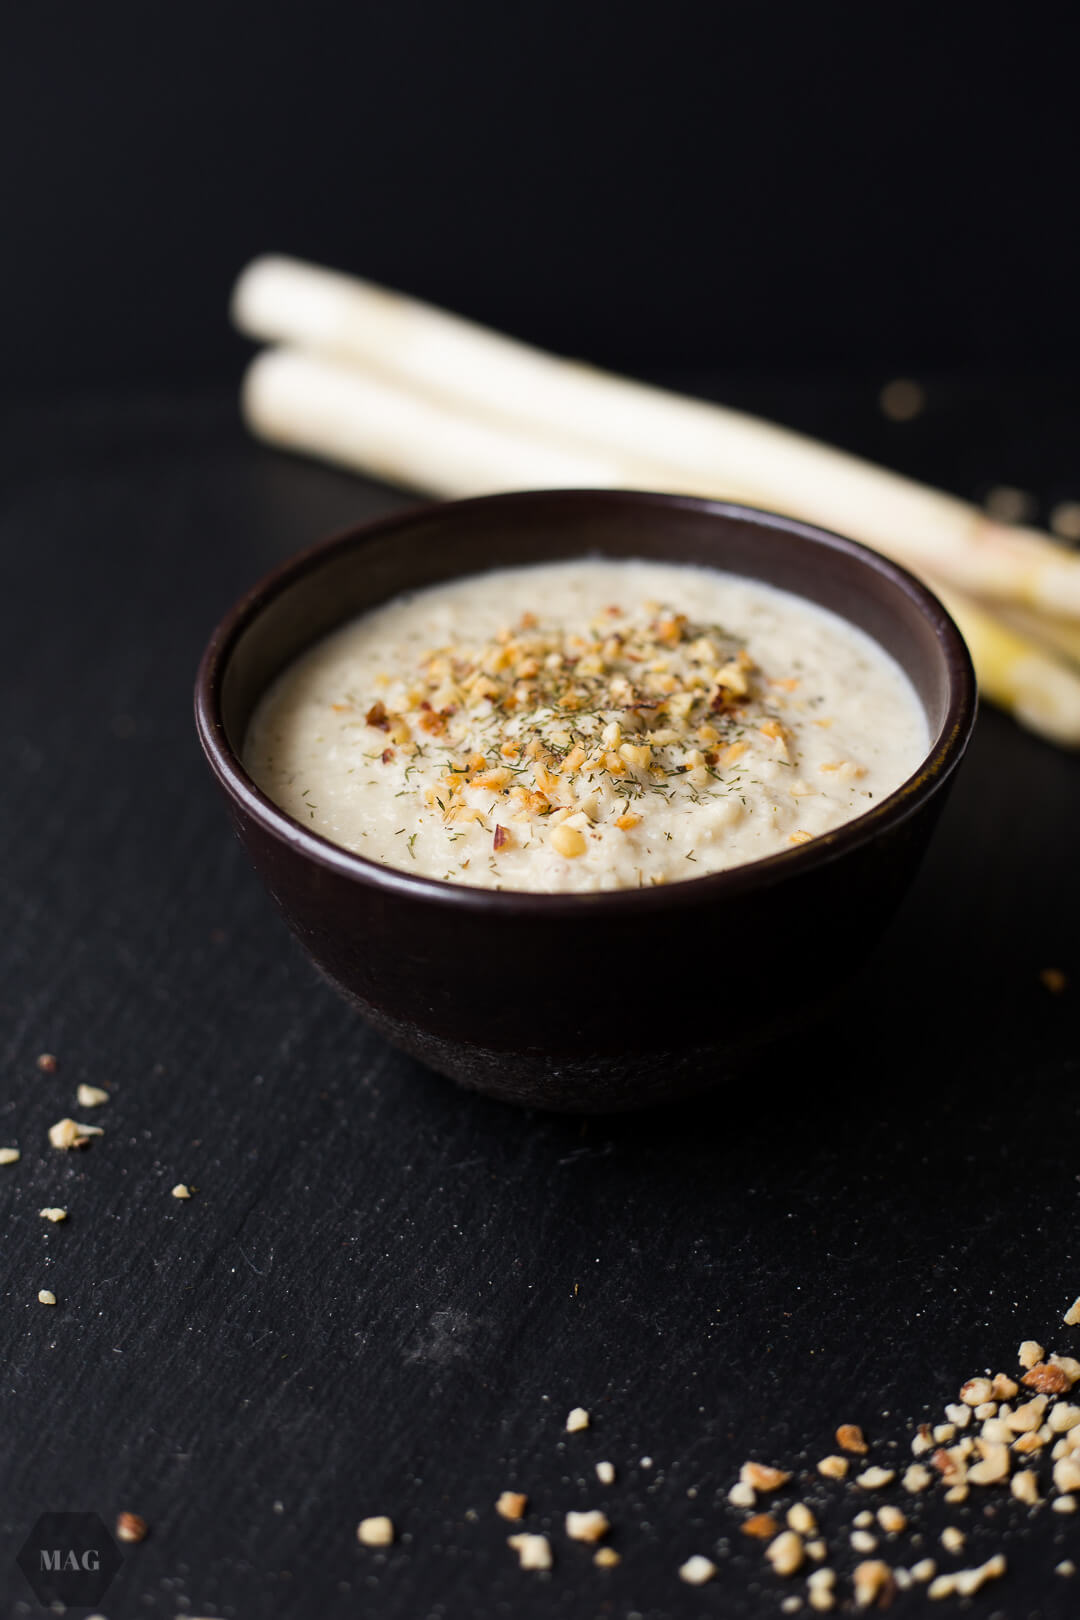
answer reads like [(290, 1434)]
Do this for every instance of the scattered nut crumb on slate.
[(377, 1531), (131, 1527)]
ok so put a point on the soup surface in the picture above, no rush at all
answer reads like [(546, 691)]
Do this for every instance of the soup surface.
[(583, 725)]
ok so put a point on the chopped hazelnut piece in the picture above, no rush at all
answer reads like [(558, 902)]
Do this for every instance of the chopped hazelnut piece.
[(131, 1527), (760, 1477), (873, 1583), (1025, 1486), (9, 1155), (1047, 1379), (1063, 1417), (91, 1096), (916, 1478), (1064, 1504), (511, 1504), (993, 1466), (862, 1541), (875, 1479), (605, 1473), (741, 1494), (67, 1134), (377, 1531), (568, 841), (1072, 1315), (953, 1539), (46, 1296), (976, 1390), (891, 1520), (697, 1570), (833, 1467), (606, 1557), (181, 1190), (762, 1526), (786, 1553), (849, 1437), (534, 1552), (53, 1213), (589, 1526), (1030, 1353), (800, 1518), (966, 1582), (1067, 1365), (1067, 1474), (578, 1419)]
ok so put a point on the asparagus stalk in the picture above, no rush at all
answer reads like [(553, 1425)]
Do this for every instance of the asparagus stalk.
[(374, 425), (705, 447), (1017, 674)]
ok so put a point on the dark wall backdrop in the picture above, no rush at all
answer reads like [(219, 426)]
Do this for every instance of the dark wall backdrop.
[(787, 187)]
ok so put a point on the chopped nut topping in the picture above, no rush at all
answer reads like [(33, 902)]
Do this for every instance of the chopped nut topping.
[(976, 1390), (375, 1532), (46, 1062), (67, 1134), (862, 1541), (511, 1504), (534, 1552), (181, 1190), (762, 1526), (891, 1520), (578, 1419), (1025, 1486), (91, 1096), (53, 1214), (786, 1553), (953, 1539), (606, 1557), (46, 1296), (875, 1479), (1047, 1378), (760, 1477), (9, 1155), (131, 1527), (800, 1518), (833, 1467), (873, 1583), (916, 1478), (697, 1570), (1031, 1352), (605, 1473), (1072, 1316), (849, 1437), (993, 1467), (589, 1526), (966, 1582)]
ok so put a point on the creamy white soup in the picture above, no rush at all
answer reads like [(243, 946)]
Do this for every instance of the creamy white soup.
[(585, 725)]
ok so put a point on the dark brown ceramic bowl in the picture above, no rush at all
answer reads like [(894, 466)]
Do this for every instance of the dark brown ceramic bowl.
[(587, 1002)]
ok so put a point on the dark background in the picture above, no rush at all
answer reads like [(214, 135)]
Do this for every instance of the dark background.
[(767, 187)]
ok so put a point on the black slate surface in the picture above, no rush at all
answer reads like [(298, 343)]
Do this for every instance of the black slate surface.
[(386, 1295)]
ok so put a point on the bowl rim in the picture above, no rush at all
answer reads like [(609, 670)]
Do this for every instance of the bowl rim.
[(942, 758)]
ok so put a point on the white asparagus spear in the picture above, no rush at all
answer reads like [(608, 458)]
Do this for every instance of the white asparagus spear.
[(707, 448), (1014, 672), (310, 403), (319, 405)]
